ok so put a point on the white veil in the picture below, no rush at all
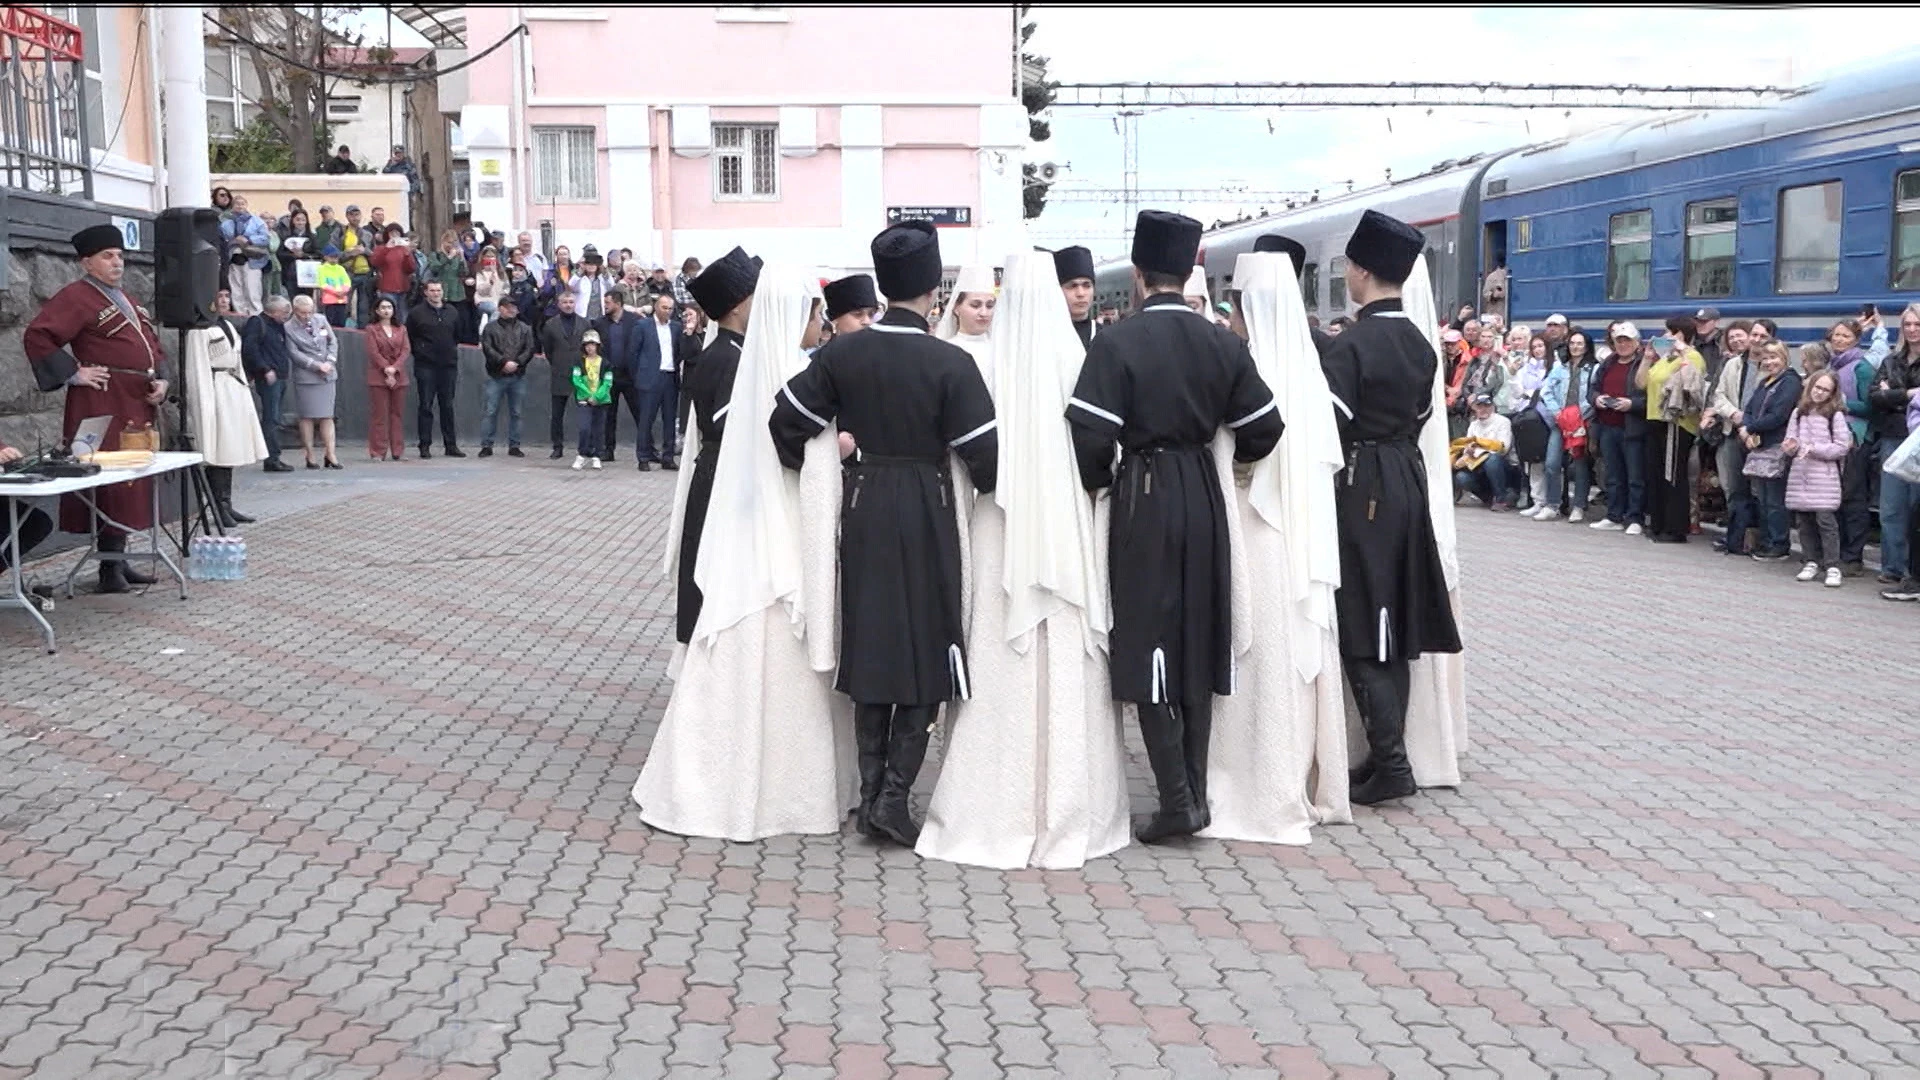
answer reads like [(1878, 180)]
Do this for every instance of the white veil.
[(1052, 560), (1293, 488), (751, 544), (1197, 286), (1416, 297), (971, 279)]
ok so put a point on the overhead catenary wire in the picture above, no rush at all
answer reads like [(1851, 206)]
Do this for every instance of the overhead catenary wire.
[(364, 80)]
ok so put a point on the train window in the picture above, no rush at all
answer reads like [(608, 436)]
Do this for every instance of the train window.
[(1310, 286), (1337, 285), (1711, 227), (1906, 230), (1629, 255), (1807, 249), (1523, 234)]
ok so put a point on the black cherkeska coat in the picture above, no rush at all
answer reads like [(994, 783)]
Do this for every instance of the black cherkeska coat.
[(1392, 601), (709, 386), (1161, 384), (907, 398)]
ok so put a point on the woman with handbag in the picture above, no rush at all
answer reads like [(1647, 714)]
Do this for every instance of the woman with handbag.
[(1550, 396), (1568, 455), (1817, 441), (1762, 426), (1673, 422)]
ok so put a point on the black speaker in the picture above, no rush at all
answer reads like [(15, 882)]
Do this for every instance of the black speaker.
[(186, 266)]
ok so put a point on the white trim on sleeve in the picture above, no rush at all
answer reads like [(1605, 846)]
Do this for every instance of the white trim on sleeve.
[(1272, 404), (1087, 406), (974, 434), (804, 411), (1341, 405)]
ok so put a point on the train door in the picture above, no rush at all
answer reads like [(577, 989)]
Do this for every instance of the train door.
[(1493, 256)]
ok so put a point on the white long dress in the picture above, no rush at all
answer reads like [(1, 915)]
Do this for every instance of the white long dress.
[(226, 426), (753, 743), (1042, 723), (1277, 763)]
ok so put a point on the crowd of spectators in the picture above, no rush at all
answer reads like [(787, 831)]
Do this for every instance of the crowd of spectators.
[(1706, 422)]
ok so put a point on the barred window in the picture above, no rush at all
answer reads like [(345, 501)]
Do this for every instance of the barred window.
[(566, 165), (746, 161)]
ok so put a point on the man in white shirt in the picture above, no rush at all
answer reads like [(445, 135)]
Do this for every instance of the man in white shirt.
[(530, 258), (659, 381), (1480, 466)]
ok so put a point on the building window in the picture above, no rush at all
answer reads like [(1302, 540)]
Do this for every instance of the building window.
[(87, 18), (1906, 230), (1310, 286), (746, 161), (345, 107), (1807, 247), (566, 165), (1629, 255), (1337, 286), (1711, 229)]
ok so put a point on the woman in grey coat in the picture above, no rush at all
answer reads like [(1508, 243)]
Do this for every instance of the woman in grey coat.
[(314, 349)]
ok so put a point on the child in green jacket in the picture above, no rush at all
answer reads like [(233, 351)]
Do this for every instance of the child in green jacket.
[(593, 390)]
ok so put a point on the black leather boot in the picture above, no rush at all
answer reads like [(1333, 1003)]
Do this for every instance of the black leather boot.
[(1196, 733), (892, 814), (870, 727), (1381, 689), (123, 574), (1160, 729), (220, 481)]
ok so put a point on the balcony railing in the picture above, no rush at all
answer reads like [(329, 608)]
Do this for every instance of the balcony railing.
[(44, 142)]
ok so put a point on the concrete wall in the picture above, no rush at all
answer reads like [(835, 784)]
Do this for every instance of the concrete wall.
[(267, 193)]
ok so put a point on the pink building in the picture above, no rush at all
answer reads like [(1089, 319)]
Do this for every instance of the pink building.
[(792, 131)]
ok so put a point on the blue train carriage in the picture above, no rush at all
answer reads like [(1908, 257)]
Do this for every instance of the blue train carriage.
[(1802, 212), (1442, 202)]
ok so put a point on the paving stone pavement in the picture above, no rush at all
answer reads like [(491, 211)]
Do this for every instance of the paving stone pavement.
[(366, 815)]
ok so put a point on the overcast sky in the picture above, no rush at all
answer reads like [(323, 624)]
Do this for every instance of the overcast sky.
[(1299, 149), (1305, 149)]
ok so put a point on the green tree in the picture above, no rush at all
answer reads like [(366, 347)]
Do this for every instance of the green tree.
[(287, 50), (1037, 94)]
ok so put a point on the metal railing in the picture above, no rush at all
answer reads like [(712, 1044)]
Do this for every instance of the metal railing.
[(44, 142)]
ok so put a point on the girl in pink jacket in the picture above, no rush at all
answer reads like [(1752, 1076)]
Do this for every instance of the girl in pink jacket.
[(1817, 441)]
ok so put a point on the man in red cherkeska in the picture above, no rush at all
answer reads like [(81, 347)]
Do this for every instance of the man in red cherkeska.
[(91, 339)]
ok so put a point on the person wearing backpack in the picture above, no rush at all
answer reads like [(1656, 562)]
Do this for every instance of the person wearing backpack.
[(1818, 439)]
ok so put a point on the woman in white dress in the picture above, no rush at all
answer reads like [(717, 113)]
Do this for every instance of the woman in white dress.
[(751, 745), (1035, 770), (968, 320), (1278, 764), (226, 428)]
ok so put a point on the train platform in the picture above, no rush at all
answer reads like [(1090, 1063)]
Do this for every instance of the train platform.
[(366, 814)]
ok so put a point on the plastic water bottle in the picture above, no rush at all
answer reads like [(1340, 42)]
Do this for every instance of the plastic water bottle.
[(229, 559), (239, 558), (197, 559), (222, 558)]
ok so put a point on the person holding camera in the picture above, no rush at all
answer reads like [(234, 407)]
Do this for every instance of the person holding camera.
[(245, 235)]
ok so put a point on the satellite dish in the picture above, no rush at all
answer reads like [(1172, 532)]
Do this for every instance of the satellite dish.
[(1048, 171)]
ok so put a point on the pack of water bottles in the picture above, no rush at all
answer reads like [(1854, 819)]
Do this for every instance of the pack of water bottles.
[(217, 558)]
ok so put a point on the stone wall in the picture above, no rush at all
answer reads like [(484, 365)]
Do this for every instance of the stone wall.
[(39, 262)]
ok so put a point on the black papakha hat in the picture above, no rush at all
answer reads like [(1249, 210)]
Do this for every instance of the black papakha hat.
[(1073, 264), (850, 293), (906, 260), (95, 239), (1165, 243), (719, 288), (1284, 245), (1385, 247)]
